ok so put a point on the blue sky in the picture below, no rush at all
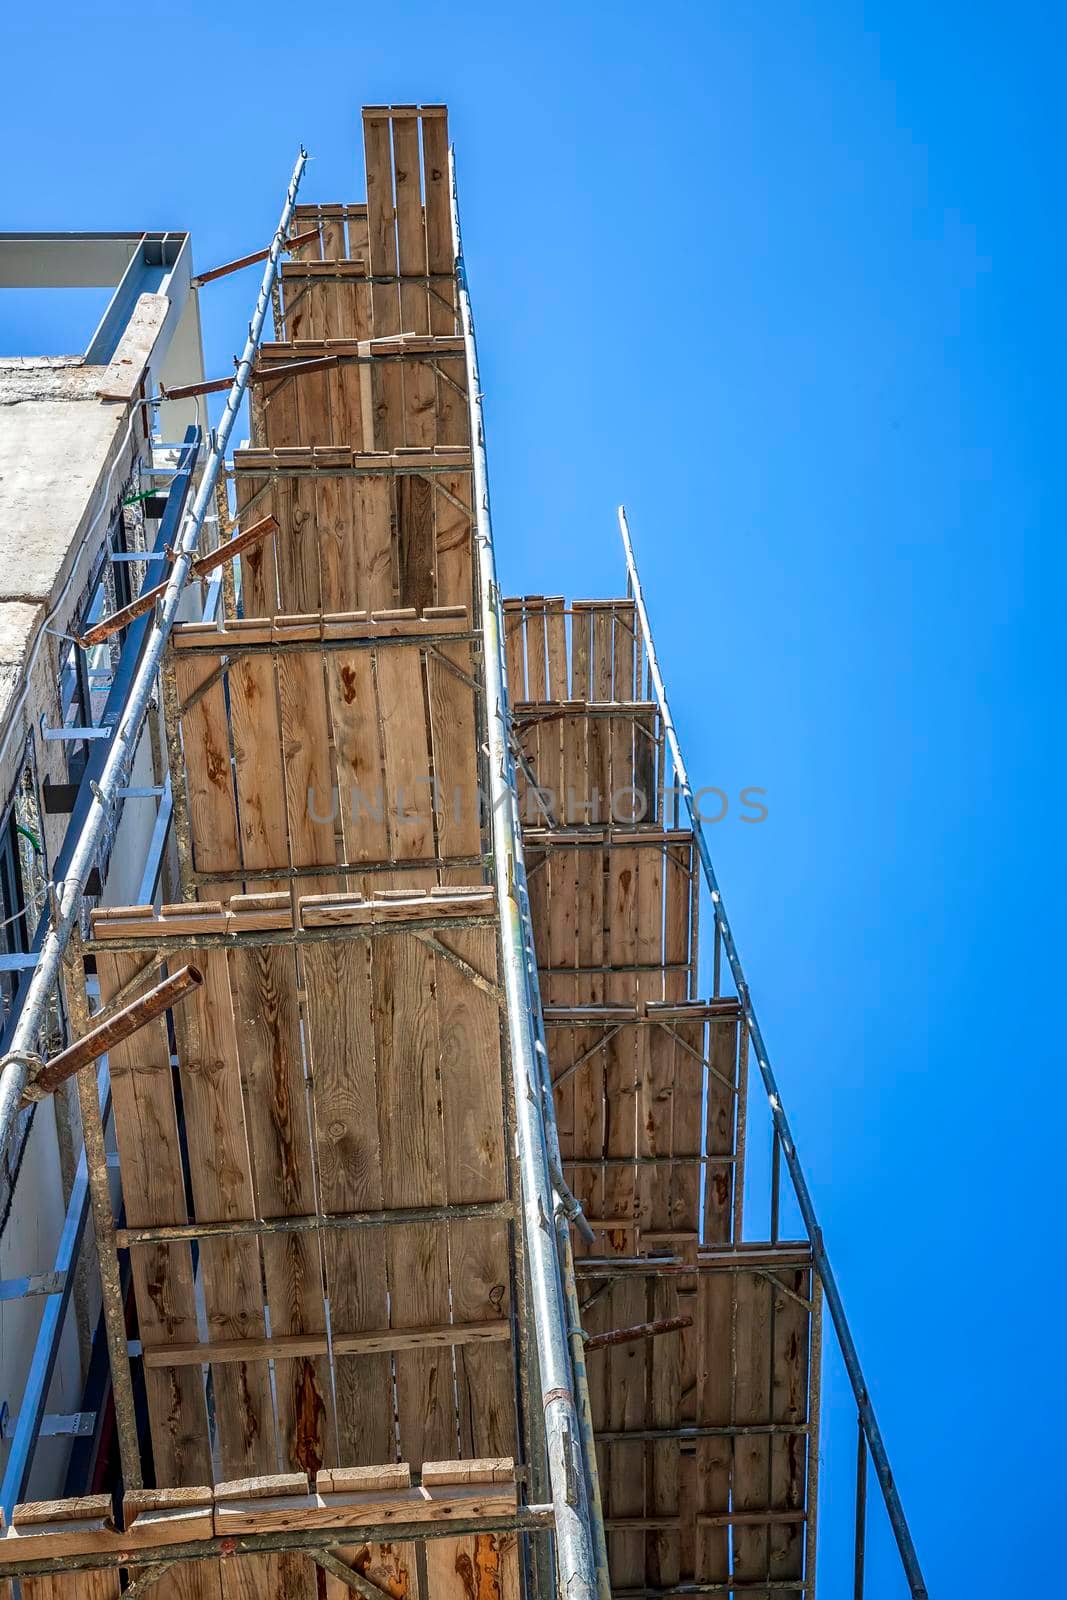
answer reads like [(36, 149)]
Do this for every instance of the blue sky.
[(788, 281)]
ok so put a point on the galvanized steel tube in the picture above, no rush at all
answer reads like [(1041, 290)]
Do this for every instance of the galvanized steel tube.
[(127, 731), (902, 1533), (574, 1554)]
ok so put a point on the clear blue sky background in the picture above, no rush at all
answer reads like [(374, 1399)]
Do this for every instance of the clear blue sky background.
[(788, 280)]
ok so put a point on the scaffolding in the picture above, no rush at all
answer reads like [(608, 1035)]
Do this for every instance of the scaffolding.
[(429, 1272)]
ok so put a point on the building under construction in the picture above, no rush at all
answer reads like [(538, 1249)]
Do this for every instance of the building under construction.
[(374, 1204)]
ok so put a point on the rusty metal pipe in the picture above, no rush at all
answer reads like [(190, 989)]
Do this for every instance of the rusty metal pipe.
[(188, 391), (288, 369), (284, 369), (99, 1040), (199, 569), (641, 1330), (250, 261)]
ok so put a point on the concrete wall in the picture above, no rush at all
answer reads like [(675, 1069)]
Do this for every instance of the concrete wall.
[(70, 435)]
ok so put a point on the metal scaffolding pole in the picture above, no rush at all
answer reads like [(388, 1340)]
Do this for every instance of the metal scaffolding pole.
[(902, 1533), (125, 736), (575, 1561)]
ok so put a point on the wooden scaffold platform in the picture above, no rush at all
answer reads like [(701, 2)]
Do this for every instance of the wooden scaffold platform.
[(707, 1432), (322, 1202)]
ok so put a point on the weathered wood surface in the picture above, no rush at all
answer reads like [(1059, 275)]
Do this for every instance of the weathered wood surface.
[(347, 1499), (647, 1088), (319, 756), (356, 533)]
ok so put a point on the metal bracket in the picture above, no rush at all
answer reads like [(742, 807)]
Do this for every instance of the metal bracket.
[(76, 1424), (36, 1283), (72, 733)]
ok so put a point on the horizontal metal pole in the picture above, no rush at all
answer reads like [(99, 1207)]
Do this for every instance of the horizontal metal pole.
[(640, 1330), (648, 1161), (98, 1041), (224, 271), (164, 1233), (739, 1430), (338, 869), (150, 940), (526, 1519), (286, 1347), (728, 1586), (199, 569), (233, 649)]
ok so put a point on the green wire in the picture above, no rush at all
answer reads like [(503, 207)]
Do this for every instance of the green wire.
[(30, 836)]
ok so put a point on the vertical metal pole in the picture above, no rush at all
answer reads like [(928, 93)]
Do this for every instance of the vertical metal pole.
[(113, 1302), (861, 1509), (574, 1555), (585, 1413), (902, 1533), (126, 733), (776, 1182), (811, 1527), (741, 1132)]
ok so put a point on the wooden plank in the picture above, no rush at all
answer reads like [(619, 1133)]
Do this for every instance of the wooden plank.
[(589, 1101), (474, 1170), (286, 1575), (411, 1134), (153, 1186), (101, 1584), (752, 1403), (621, 1085), (677, 887), (536, 651), (721, 1121), (451, 1503), (267, 1016), (221, 1184), (318, 418), (453, 563), (621, 733), (382, 252), (576, 768), (419, 378), (298, 554), (389, 1567), (360, 768), (789, 1404), (257, 565), (716, 1297), (409, 804), (482, 1567), (415, 542), (598, 741), (438, 221), (260, 777), (309, 777), (209, 772), (515, 651), (453, 735), (372, 538), (344, 1098), (626, 1462), (186, 1580), (556, 629), (335, 537)]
